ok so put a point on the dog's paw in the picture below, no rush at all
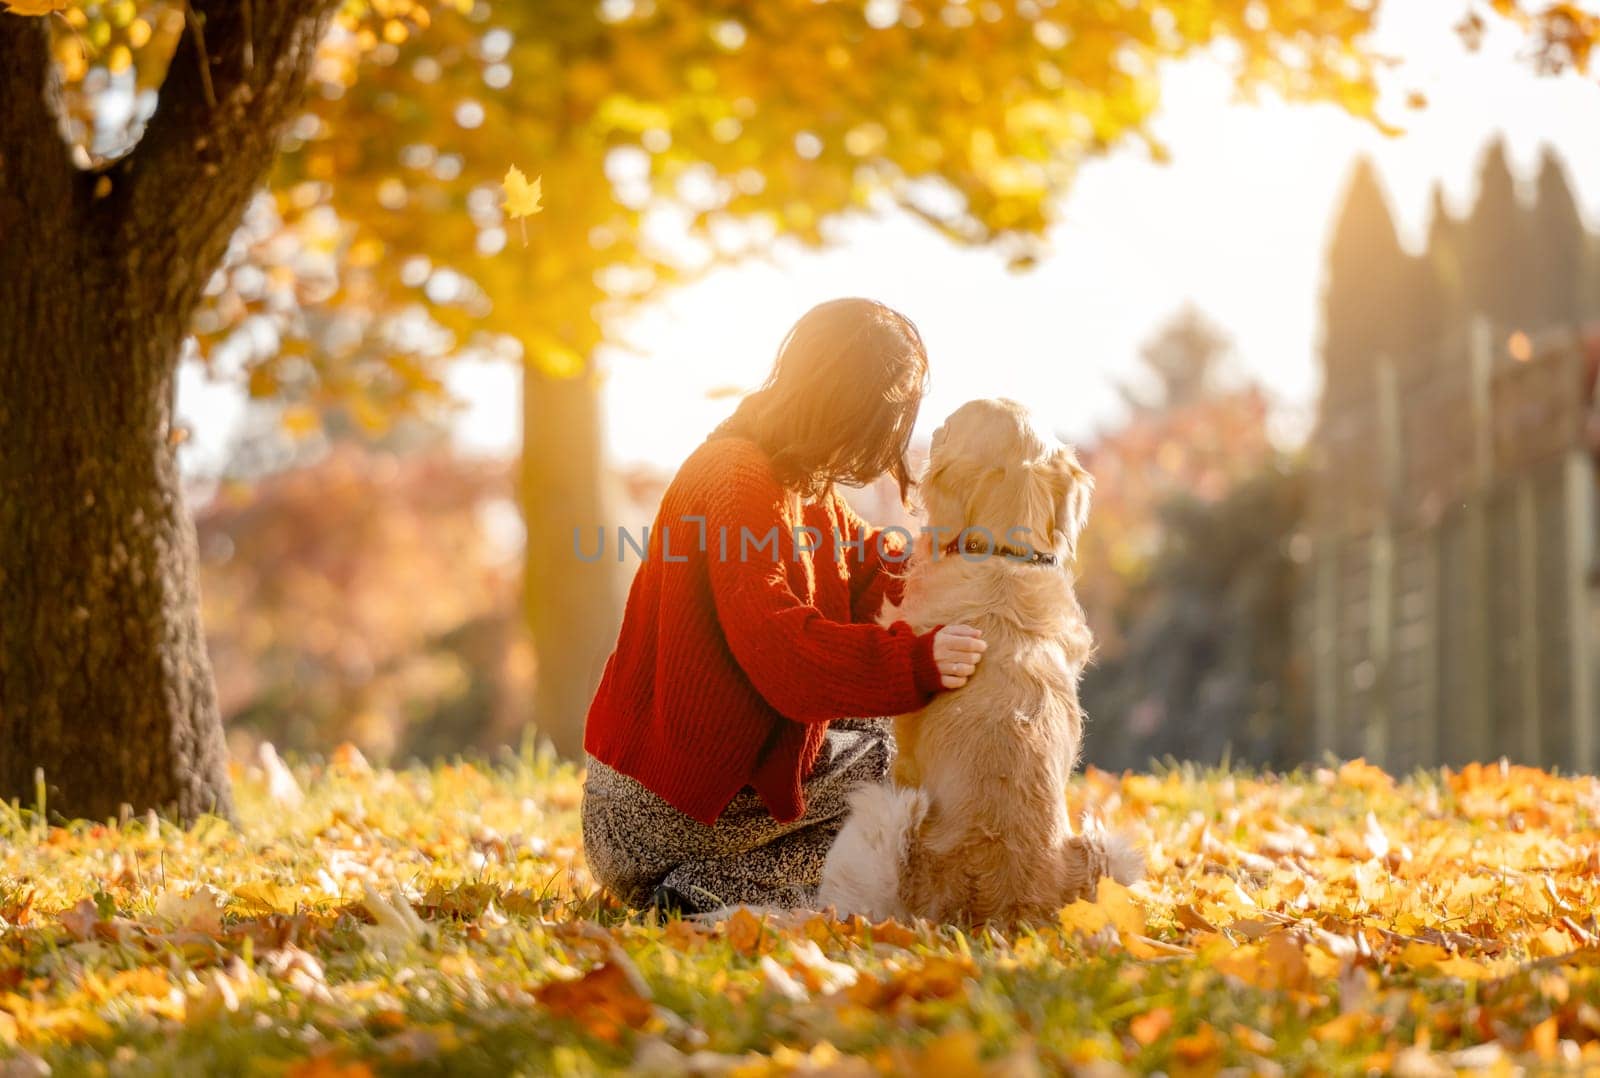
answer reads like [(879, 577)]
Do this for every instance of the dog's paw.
[(863, 869), (1124, 859), (1097, 853), (1118, 855)]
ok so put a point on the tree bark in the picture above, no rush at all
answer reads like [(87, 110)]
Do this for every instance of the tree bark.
[(573, 606), (104, 682), (105, 687)]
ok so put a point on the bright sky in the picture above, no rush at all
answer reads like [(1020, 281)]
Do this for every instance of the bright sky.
[(1236, 223)]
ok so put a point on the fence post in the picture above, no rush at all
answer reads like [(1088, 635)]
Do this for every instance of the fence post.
[(1477, 728), (1380, 632), (1528, 627), (1428, 742), (1581, 523), (1325, 672)]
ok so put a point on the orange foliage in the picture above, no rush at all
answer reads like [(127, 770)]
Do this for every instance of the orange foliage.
[(368, 597), (1202, 449)]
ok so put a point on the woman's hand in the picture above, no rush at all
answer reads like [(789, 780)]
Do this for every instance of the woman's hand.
[(957, 649)]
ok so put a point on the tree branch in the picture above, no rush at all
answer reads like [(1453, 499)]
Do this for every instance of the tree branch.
[(36, 168), (235, 80)]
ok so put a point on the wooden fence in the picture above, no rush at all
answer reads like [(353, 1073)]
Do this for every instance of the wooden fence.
[(1447, 612)]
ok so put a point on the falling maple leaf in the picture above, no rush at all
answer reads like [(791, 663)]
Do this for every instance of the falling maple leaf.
[(522, 197)]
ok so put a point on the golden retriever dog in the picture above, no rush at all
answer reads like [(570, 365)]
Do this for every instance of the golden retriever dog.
[(975, 825)]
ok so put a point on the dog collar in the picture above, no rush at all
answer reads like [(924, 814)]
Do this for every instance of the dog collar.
[(977, 544)]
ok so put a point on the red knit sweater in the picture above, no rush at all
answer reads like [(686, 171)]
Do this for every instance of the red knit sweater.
[(729, 667)]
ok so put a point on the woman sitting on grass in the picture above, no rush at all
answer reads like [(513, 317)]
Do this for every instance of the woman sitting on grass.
[(718, 761)]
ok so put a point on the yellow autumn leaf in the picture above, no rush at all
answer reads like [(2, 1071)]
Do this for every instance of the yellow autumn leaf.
[(1472, 969), (521, 196), (1084, 917), (1420, 955), (1113, 906), (34, 7), (264, 897), (151, 981), (1343, 1029), (956, 1053)]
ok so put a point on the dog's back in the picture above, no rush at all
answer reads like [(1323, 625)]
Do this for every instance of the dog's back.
[(996, 842)]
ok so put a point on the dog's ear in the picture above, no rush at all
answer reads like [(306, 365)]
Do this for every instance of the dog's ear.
[(950, 492), (1071, 490)]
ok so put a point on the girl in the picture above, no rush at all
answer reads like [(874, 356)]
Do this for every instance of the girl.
[(718, 764)]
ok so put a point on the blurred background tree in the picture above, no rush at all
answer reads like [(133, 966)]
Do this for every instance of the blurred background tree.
[(1204, 672), (1183, 503), (1528, 267), (368, 596)]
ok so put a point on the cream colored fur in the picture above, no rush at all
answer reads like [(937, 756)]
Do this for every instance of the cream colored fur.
[(976, 827)]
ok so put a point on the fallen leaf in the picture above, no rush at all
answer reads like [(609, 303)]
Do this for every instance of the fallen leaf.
[(1114, 907), (264, 897), (606, 1001), (1545, 1039), (1151, 1026), (780, 982), (281, 784), (397, 924), (819, 972), (81, 920), (745, 931), (1199, 1046), (954, 1054), (350, 759), (198, 911), (326, 1066)]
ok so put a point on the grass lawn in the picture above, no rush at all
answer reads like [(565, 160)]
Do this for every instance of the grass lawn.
[(442, 921)]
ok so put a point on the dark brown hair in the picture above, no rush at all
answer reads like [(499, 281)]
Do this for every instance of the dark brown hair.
[(841, 400)]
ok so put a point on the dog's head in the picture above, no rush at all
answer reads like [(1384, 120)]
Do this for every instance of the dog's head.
[(991, 468)]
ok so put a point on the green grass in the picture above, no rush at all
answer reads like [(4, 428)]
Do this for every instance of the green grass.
[(443, 921)]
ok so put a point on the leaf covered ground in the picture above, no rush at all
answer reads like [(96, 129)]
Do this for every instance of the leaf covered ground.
[(442, 921)]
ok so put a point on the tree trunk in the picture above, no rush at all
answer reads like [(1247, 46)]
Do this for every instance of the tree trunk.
[(573, 606), (104, 683)]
